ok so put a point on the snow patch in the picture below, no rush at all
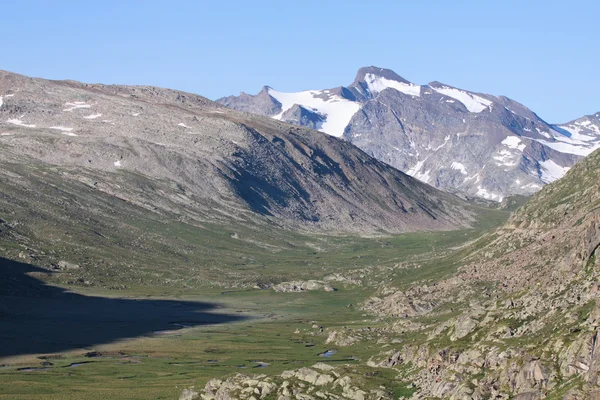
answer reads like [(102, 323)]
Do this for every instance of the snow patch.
[(506, 158), (64, 130), (474, 103), (513, 142), (93, 116), (460, 167), (575, 131), (336, 110), (117, 163), (378, 84), (18, 122), (568, 145), (75, 105), (183, 125), (551, 171)]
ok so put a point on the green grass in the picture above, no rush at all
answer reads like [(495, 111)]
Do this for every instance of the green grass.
[(126, 250)]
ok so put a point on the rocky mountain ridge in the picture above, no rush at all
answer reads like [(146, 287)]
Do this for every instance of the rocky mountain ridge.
[(453, 139), (220, 164)]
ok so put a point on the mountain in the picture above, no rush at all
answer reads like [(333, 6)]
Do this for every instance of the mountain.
[(175, 152), (453, 139), (529, 320)]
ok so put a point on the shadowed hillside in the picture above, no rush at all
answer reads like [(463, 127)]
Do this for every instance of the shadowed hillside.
[(37, 318)]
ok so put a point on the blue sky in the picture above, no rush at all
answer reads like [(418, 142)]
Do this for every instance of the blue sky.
[(541, 53)]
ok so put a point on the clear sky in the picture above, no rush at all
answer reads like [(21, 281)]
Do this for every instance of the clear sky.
[(541, 53)]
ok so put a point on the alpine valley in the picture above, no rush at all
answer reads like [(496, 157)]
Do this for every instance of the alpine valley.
[(155, 244), (459, 141)]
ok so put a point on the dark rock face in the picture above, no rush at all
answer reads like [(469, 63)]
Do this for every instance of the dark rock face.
[(453, 139), (299, 115), (220, 163), (262, 103)]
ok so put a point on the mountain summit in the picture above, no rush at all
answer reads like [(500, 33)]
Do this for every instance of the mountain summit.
[(453, 139)]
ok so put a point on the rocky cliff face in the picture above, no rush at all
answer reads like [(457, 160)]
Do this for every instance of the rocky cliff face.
[(453, 139), (220, 164)]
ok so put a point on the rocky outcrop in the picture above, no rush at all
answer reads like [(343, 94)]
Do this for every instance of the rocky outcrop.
[(321, 381), (302, 286), (189, 394), (399, 304)]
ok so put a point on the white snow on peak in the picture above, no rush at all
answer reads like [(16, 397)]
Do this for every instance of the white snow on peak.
[(513, 142), (460, 167), (551, 171), (570, 148), (117, 163), (474, 103), (336, 110), (18, 122), (575, 131), (64, 130), (183, 125), (93, 116), (1, 101), (378, 84), (75, 105), (578, 144)]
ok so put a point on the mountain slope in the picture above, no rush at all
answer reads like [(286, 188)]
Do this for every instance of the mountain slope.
[(527, 301), (221, 165), (425, 130), (519, 318)]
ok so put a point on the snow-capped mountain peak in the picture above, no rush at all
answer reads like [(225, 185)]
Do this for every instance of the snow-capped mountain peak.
[(451, 138)]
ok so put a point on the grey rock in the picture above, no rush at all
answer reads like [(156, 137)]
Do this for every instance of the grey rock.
[(65, 265), (189, 394)]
